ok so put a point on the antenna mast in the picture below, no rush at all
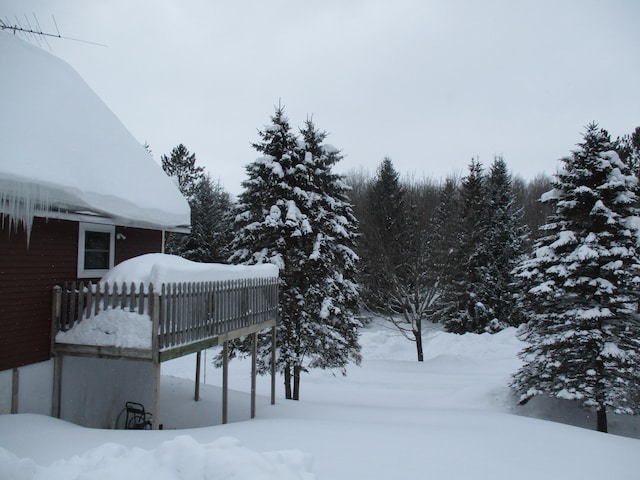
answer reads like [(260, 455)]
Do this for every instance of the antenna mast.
[(34, 31)]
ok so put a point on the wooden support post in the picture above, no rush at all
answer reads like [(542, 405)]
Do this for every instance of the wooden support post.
[(254, 354), (155, 355), (225, 381), (273, 365), (15, 390), (155, 420), (56, 312), (196, 395), (57, 385)]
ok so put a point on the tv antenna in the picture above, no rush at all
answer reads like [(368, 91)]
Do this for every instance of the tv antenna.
[(31, 30)]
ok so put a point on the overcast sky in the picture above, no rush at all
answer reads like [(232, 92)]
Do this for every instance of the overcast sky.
[(430, 84)]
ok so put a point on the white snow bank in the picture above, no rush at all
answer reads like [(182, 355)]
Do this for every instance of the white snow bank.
[(381, 341), (391, 418), (62, 148), (112, 327), (182, 458), (159, 268)]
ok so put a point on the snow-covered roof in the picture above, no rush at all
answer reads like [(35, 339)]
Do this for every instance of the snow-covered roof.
[(61, 148)]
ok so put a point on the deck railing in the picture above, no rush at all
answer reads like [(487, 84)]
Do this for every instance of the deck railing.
[(185, 312)]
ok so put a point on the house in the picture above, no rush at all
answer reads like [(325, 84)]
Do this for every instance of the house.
[(80, 198), (78, 195)]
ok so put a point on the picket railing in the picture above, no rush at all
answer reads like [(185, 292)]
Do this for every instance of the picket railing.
[(183, 312)]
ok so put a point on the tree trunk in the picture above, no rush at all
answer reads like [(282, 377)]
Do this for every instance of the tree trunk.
[(602, 419), (418, 335), (287, 381), (296, 382)]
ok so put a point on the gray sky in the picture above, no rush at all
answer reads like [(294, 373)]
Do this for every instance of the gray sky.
[(428, 83)]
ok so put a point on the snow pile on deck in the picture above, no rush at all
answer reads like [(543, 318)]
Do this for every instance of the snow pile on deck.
[(114, 327), (62, 148), (159, 268), (182, 458)]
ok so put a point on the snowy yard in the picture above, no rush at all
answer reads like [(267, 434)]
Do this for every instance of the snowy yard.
[(450, 417)]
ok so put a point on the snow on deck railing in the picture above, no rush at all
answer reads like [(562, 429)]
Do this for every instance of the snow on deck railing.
[(186, 312)]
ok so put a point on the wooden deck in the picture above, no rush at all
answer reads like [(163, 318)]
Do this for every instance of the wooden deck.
[(186, 317)]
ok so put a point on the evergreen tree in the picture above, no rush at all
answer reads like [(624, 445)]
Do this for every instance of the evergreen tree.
[(464, 306), (181, 166), (383, 233), (505, 237), (445, 228), (211, 224), (332, 295), (584, 331), (534, 213), (628, 148), (293, 212)]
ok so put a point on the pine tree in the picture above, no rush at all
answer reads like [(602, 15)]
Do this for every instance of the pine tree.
[(584, 331), (383, 232), (332, 295), (181, 165), (293, 212), (505, 237), (211, 224), (445, 228), (534, 213), (628, 148), (463, 306)]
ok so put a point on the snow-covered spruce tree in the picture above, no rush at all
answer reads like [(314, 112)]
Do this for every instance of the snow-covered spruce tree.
[(505, 237), (332, 295), (211, 224), (293, 213), (584, 330), (463, 306)]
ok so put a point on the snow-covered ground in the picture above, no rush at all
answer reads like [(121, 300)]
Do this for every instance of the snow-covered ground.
[(451, 417)]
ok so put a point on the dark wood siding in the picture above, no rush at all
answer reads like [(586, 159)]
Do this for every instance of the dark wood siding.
[(28, 274)]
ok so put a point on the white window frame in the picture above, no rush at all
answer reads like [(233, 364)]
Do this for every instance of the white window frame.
[(95, 227)]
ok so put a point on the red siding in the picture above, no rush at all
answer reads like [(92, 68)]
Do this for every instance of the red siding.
[(27, 276), (131, 242)]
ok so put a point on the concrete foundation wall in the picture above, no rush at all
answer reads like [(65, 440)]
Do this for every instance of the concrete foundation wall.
[(34, 386), (94, 390), (5, 391)]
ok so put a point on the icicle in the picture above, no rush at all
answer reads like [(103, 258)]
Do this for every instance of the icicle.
[(20, 201)]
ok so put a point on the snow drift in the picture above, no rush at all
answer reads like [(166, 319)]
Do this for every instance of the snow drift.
[(449, 417)]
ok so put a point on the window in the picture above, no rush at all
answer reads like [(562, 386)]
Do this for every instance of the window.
[(95, 249)]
